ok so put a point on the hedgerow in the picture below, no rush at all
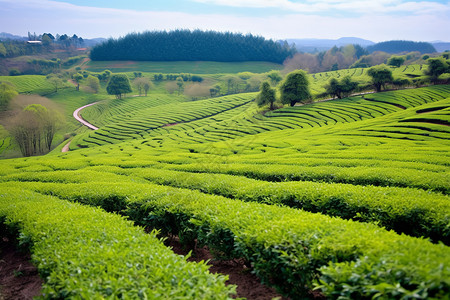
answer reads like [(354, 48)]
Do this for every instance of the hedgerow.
[(84, 253), (287, 248)]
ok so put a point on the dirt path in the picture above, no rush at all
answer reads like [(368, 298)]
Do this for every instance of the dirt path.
[(66, 147), (77, 116)]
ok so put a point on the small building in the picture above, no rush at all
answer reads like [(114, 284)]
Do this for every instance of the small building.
[(34, 42)]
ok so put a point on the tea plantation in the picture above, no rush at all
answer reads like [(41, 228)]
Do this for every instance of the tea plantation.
[(348, 197)]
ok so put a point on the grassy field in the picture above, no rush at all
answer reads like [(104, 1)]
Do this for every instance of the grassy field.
[(194, 67)]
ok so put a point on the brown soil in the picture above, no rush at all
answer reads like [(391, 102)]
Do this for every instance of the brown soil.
[(19, 279), (248, 285)]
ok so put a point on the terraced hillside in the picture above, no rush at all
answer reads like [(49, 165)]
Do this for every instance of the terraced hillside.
[(190, 123), (349, 197)]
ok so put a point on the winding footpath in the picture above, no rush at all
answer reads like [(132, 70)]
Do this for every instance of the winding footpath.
[(77, 115)]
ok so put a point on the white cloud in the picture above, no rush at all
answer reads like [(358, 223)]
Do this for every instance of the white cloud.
[(332, 6), (20, 16)]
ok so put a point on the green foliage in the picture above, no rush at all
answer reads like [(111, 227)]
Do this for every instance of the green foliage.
[(187, 45), (93, 83), (266, 95), (2, 50), (291, 252), (118, 85), (295, 88), (83, 252), (7, 93), (30, 84), (275, 77), (402, 46), (381, 75), (437, 67), (56, 81), (396, 61), (34, 128), (342, 88), (197, 67)]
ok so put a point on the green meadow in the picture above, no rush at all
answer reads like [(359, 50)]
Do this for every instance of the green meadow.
[(195, 67), (347, 197)]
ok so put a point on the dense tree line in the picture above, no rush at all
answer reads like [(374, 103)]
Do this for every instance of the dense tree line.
[(402, 46), (187, 45)]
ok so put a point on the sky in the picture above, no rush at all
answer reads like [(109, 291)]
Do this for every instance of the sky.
[(375, 20)]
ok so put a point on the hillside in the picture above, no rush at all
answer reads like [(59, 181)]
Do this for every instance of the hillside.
[(280, 190)]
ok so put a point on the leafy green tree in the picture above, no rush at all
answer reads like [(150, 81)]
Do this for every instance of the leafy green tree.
[(94, 83), (342, 88), (7, 93), (396, 61), (381, 75), (348, 86), (77, 79), (55, 80), (437, 67), (295, 88), (232, 83), (266, 95), (180, 84), (2, 50), (275, 77), (118, 85)]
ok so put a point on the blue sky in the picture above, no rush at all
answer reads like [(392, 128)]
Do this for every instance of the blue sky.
[(420, 20)]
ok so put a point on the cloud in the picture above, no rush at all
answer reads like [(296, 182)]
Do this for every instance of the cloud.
[(333, 6), (21, 16)]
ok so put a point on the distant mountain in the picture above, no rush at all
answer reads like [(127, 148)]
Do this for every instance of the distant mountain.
[(8, 36), (402, 46), (314, 45), (441, 46), (93, 42)]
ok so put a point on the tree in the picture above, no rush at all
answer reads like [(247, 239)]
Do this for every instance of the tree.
[(33, 129), (142, 84), (55, 80), (7, 93), (147, 86), (180, 84), (381, 75), (437, 67), (118, 85), (197, 90), (94, 83), (2, 50), (77, 78), (295, 88), (396, 61), (342, 88), (275, 77), (266, 95), (232, 83)]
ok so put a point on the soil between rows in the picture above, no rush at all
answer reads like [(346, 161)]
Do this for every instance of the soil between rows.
[(19, 279)]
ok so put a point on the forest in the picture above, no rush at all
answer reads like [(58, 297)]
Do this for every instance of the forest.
[(187, 45)]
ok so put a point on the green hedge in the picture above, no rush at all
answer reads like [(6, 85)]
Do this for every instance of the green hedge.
[(85, 253), (410, 211), (290, 249)]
